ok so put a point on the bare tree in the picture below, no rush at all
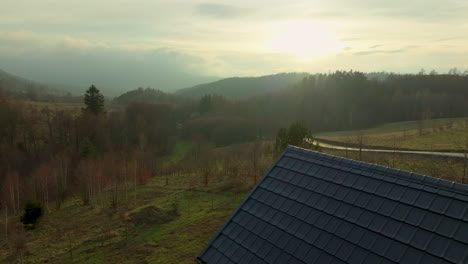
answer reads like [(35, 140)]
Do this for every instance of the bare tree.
[(361, 140), (254, 158), (462, 145)]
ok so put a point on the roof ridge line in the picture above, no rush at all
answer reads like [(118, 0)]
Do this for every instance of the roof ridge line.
[(431, 181)]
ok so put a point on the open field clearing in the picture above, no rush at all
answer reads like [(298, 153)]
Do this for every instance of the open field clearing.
[(436, 134)]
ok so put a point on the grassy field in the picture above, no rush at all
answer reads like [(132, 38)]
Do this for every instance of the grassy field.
[(449, 134), (185, 219), (84, 234), (72, 107)]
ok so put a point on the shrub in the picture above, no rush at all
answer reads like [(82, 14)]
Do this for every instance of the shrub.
[(32, 212)]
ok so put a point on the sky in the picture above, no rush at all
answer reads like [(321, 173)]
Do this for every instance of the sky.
[(123, 44)]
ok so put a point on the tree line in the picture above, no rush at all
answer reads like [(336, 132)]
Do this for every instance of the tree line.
[(50, 154)]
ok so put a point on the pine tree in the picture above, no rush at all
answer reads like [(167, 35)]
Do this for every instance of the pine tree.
[(94, 101)]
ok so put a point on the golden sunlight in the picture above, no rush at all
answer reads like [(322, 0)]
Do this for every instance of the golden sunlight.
[(304, 39)]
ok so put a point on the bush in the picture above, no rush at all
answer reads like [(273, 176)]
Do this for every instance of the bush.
[(32, 212)]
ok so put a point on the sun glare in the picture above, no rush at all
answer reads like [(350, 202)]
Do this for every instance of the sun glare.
[(304, 39)]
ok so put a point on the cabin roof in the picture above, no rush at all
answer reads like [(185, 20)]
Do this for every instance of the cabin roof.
[(311, 207)]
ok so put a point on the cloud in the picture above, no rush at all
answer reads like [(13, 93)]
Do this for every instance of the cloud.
[(19, 39), (113, 69), (221, 11), (372, 52), (449, 39), (74, 43)]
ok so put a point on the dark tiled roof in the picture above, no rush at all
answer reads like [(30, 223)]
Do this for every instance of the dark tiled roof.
[(316, 208)]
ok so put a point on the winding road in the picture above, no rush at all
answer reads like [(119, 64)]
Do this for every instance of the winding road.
[(408, 152)]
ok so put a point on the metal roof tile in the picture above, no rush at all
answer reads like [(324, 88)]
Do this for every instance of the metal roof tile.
[(341, 193), (313, 199), (283, 258), (427, 258), (431, 221), (456, 251), (411, 256), (355, 235), (350, 179), (303, 231), (322, 203), (387, 207), (395, 251), (312, 235), (424, 200), (353, 214), (381, 245), (273, 255), (365, 219), (415, 216), (264, 249), (292, 245), (351, 196), (301, 250), (331, 207), (333, 245), (312, 255), (343, 210), (374, 203), (396, 192), (440, 204), (294, 226), (462, 233), (421, 239), (368, 239), (322, 221), (358, 256), (303, 196), (378, 223), (405, 233), (312, 217), (372, 185), (457, 209), (383, 189), (345, 251), (391, 228), (362, 199), (372, 258), (343, 229), (438, 245), (447, 227), (401, 211)]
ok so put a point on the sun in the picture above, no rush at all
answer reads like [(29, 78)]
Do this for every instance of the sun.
[(304, 39)]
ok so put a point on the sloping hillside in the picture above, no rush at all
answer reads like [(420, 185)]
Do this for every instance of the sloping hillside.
[(244, 87), (27, 89)]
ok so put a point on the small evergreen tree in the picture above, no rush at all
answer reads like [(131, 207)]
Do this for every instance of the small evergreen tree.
[(32, 212), (87, 149), (297, 134), (94, 101)]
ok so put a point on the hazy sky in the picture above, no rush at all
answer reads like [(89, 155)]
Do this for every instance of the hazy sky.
[(124, 44)]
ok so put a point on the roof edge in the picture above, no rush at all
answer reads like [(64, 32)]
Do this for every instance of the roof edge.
[(229, 219), (439, 183)]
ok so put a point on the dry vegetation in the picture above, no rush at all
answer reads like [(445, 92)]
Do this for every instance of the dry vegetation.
[(437, 134)]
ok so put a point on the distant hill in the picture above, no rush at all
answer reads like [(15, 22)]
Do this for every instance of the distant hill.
[(27, 89), (244, 87), (144, 95)]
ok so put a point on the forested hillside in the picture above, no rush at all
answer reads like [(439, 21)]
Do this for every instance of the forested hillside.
[(31, 90), (244, 87), (349, 100)]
